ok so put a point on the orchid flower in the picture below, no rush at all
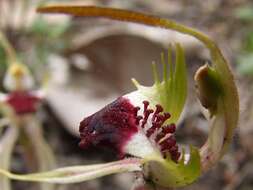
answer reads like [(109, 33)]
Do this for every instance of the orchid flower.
[(19, 107), (141, 125)]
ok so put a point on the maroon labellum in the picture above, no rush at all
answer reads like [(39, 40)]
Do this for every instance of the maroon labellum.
[(118, 124), (112, 126)]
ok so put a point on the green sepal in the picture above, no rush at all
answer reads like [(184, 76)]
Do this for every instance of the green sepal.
[(167, 173), (171, 92)]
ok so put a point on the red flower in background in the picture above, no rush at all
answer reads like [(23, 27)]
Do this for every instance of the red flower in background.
[(23, 102)]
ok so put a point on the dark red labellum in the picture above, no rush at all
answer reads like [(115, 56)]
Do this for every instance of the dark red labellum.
[(112, 126)]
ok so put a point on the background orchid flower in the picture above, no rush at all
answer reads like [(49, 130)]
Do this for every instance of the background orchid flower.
[(18, 108), (142, 123)]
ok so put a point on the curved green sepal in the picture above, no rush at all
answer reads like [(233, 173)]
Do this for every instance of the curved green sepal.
[(168, 173), (171, 92)]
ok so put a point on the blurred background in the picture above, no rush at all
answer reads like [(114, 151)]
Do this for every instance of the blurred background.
[(86, 63)]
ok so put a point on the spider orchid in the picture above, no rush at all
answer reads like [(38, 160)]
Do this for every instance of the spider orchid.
[(18, 108), (141, 125)]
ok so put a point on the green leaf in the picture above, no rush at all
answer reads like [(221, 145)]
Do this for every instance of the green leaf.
[(172, 91), (76, 174)]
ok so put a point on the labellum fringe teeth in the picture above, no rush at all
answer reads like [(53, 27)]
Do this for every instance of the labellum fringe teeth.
[(161, 135), (116, 123)]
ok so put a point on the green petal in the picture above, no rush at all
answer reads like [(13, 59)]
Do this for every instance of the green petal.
[(171, 92), (78, 174), (167, 173)]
